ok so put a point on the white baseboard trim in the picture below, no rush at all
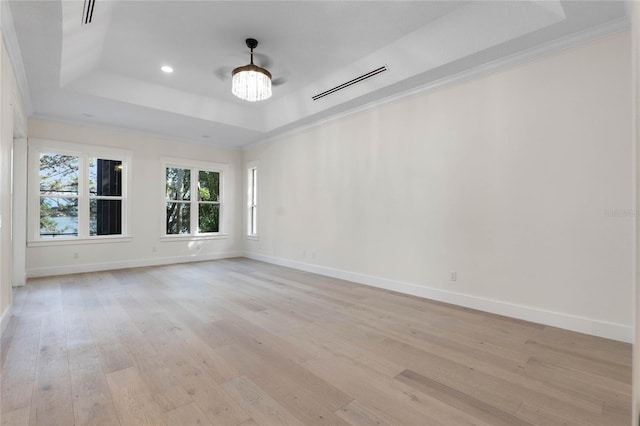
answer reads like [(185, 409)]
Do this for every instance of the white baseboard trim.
[(4, 319), (125, 264), (566, 321)]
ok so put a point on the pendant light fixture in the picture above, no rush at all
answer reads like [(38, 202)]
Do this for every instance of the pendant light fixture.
[(250, 82)]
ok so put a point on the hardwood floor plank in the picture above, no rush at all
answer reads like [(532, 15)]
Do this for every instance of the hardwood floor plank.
[(7, 337), (588, 385), (614, 414), (290, 300), (606, 349), (358, 414), (92, 403), (238, 341), (45, 300), (581, 362), (384, 393), (306, 396), (52, 401), (187, 415), (542, 416), (320, 340), (133, 400), (19, 370), (184, 372), (502, 390), (475, 407), (16, 417), (466, 373), (311, 290), (262, 408), (513, 355), (207, 358), (253, 336), (162, 383), (501, 368), (19, 299), (190, 376), (114, 356), (276, 321), (220, 407)]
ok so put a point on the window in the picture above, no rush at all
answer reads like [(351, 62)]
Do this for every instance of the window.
[(192, 198), (78, 191), (59, 178), (252, 197), (178, 200), (105, 196)]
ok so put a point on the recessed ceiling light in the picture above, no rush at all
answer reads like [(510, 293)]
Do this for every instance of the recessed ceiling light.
[(167, 69)]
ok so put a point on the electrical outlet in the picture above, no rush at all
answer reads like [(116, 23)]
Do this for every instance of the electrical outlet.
[(453, 276)]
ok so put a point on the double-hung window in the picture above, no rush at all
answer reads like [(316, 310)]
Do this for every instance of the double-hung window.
[(77, 192), (192, 198)]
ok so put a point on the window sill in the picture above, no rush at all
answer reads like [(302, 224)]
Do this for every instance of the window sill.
[(166, 238), (253, 237), (79, 241)]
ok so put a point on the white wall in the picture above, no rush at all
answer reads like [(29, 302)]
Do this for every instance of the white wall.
[(6, 142), (521, 181), (635, 58), (11, 108), (148, 215), (19, 211)]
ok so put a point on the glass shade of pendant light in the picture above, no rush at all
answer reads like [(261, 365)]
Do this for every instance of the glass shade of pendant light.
[(250, 82)]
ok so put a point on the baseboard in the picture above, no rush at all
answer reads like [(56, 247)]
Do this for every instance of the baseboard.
[(566, 321), (4, 319), (125, 264)]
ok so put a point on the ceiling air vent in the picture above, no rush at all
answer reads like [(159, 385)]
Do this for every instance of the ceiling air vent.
[(87, 11), (356, 80)]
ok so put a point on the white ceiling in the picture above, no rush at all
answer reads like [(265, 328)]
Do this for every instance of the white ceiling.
[(108, 71)]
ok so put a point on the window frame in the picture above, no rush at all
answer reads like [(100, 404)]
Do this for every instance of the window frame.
[(252, 201), (195, 166), (84, 152)]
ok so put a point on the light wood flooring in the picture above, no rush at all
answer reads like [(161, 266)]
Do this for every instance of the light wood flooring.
[(243, 342)]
